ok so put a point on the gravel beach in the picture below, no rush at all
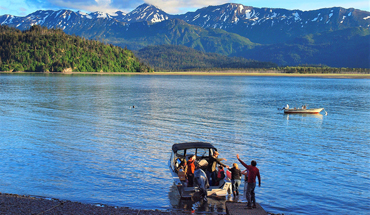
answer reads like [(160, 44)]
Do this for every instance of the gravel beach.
[(18, 204)]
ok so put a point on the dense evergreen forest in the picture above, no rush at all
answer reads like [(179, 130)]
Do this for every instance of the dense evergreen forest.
[(181, 58), (40, 50)]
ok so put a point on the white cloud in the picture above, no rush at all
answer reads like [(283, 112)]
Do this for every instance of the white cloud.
[(97, 5)]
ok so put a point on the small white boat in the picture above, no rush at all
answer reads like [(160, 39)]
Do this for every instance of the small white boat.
[(303, 110), (202, 151)]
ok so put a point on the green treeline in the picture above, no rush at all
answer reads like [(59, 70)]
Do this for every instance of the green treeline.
[(182, 58), (40, 50), (321, 70)]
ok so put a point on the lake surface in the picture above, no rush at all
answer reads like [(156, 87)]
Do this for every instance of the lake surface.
[(78, 138)]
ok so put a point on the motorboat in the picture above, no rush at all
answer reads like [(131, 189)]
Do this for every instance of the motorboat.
[(303, 110), (202, 151)]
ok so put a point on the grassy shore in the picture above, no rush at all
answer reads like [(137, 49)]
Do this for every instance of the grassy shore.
[(223, 73)]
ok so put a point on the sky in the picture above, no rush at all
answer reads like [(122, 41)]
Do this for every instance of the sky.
[(25, 7)]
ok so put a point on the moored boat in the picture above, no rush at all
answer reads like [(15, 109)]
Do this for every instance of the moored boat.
[(303, 110), (202, 151)]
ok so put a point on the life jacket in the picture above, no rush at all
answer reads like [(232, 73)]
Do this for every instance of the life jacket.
[(219, 174), (191, 167)]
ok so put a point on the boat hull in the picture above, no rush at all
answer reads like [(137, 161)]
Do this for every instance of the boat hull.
[(303, 111)]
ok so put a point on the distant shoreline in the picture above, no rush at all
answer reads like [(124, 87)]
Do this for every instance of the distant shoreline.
[(216, 73)]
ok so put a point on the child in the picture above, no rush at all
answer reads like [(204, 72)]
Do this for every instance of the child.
[(220, 175)]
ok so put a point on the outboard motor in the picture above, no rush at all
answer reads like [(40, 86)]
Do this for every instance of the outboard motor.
[(200, 180)]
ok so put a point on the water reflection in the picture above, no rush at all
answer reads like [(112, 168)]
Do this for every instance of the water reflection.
[(213, 205), (303, 115)]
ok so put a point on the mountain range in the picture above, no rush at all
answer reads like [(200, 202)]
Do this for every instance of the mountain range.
[(336, 37)]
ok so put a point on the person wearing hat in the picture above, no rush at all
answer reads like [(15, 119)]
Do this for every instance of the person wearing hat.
[(211, 168)]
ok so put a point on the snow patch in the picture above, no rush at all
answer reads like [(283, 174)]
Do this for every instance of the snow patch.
[(196, 17), (296, 16), (10, 20), (43, 21), (368, 17), (158, 18), (84, 15), (330, 15), (216, 9), (81, 13), (208, 18), (350, 13), (273, 15), (249, 14), (58, 13), (114, 14), (241, 7), (145, 8), (315, 19)]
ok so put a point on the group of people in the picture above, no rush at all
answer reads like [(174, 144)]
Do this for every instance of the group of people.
[(214, 175)]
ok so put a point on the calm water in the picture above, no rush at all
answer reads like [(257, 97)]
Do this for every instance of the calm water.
[(76, 138)]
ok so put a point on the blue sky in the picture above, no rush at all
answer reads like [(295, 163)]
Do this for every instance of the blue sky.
[(25, 7)]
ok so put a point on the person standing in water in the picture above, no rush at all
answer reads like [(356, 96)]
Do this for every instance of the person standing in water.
[(253, 173)]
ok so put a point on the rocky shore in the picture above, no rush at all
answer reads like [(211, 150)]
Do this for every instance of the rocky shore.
[(18, 204)]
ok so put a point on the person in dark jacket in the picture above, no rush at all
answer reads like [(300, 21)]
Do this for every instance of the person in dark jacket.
[(211, 168), (235, 178)]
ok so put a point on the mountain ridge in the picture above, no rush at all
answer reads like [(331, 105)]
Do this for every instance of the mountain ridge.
[(227, 29)]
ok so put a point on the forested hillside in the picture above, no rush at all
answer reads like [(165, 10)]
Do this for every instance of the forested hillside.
[(175, 58), (343, 48), (40, 49)]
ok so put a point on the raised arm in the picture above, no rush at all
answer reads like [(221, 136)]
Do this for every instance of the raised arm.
[(244, 164)]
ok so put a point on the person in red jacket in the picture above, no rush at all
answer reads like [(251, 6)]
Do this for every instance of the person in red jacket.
[(190, 170), (253, 173)]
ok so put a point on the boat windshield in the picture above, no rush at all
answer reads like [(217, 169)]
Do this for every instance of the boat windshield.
[(180, 152), (202, 153), (199, 152)]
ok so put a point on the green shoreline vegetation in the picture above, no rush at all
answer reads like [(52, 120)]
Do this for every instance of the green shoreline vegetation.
[(51, 50)]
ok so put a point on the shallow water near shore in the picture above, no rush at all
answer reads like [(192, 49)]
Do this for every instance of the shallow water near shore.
[(79, 138)]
